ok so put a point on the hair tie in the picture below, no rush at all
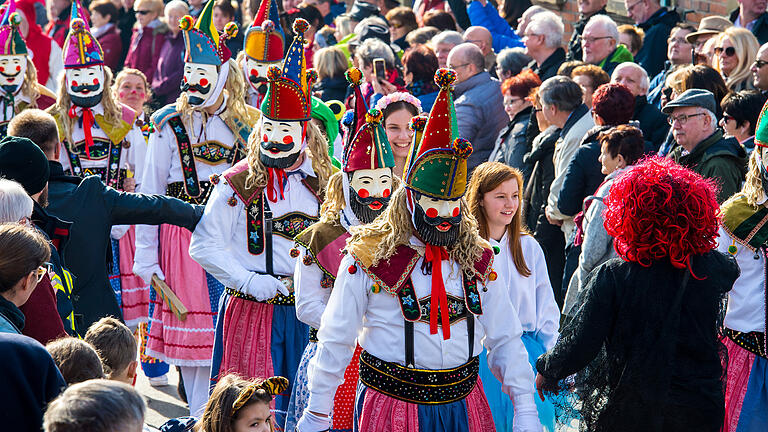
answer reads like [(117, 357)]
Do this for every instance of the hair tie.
[(272, 386)]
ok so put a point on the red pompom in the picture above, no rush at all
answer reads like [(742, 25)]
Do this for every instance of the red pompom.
[(300, 26), (417, 123), (215, 179), (311, 76), (186, 23), (354, 76), (462, 148), (374, 116), (232, 201), (274, 72), (268, 26), (77, 24), (352, 269), (492, 276), (294, 253)]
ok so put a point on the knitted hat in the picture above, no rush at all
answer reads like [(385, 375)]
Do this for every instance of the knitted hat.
[(437, 165), (264, 41), (202, 42), (11, 42), (289, 90), (22, 161), (81, 49)]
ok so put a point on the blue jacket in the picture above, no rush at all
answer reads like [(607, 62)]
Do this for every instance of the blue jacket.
[(487, 16), (653, 53)]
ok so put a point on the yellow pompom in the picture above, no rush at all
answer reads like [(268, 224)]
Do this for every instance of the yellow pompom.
[(186, 23), (230, 30)]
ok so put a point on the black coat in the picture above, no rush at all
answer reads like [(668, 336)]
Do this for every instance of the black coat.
[(549, 67), (574, 45), (760, 29), (332, 89), (514, 145), (583, 176), (653, 122), (542, 175), (653, 53), (93, 209)]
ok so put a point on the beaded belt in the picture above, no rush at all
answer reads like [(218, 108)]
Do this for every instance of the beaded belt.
[(313, 334), (753, 342), (176, 190), (421, 386), (279, 299)]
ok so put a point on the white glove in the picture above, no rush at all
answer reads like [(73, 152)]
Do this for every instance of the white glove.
[(146, 270), (313, 423), (264, 287), (526, 415)]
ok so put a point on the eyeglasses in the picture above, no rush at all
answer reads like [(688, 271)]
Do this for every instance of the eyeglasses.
[(682, 119), (143, 12), (759, 63), (535, 110), (632, 6), (729, 52), (395, 25), (512, 101), (591, 40), (727, 117), (43, 270), (457, 66), (678, 40)]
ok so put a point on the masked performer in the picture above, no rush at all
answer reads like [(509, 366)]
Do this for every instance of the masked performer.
[(416, 290), (249, 224), (263, 46)]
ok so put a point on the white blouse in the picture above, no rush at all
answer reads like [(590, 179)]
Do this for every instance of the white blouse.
[(746, 301)]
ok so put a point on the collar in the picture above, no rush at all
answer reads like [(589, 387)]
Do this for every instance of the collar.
[(585, 18), (573, 118), (305, 168), (555, 58), (96, 109), (415, 241), (653, 18), (746, 140), (706, 143), (100, 31)]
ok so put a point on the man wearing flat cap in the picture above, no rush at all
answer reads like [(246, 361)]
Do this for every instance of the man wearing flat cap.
[(701, 145)]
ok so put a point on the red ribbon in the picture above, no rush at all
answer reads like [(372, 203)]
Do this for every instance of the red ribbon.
[(276, 175), (439, 298), (88, 120)]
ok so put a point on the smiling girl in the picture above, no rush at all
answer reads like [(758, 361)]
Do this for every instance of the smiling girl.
[(493, 198), (239, 405), (398, 109)]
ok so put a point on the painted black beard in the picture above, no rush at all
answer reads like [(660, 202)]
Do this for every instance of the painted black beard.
[(427, 231), (86, 101), (360, 206), (10, 89), (282, 162)]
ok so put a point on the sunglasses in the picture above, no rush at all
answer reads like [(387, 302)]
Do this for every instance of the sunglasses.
[(43, 270), (143, 12), (759, 63), (729, 52)]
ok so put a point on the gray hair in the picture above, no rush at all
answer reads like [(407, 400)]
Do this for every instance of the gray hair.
[(512, 60), (608, 24), (447, 37), (712, 118), (560, 92), (645, 82), (373, 48), (176, 4), (550, 26), (96, 406), (15, 204)]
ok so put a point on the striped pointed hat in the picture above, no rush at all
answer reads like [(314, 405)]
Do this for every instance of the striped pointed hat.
[(81, 49), (202, 42), (11, 42), (264, 41)]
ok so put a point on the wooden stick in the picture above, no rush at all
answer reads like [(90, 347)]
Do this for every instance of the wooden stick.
[(169, 298)]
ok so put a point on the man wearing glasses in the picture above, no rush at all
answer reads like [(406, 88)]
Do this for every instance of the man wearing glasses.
[(759, 71), (600, 44), (657, 22), (701, 145)]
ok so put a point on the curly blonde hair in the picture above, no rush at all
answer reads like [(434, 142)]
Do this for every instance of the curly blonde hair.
[(394, 228), (29, 86), (235, 88), (753, 187), (113, 111), (317, 147)]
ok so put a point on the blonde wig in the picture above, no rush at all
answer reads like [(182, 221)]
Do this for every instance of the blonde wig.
[(746, 46), (394, 228), (29, 86), (753, 187), (235, 88)]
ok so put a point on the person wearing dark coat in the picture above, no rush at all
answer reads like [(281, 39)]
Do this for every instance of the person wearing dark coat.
[(331, 88), (652, 121), (758, 24), (657, 27), (166, 81), (548, 68), (542, 40), (587, 9), (125, 23), (30, 381)]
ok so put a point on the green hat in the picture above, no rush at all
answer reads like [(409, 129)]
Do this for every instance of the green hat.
[(761, 131)]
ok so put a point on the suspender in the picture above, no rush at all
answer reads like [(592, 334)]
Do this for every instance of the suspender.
[(409, 354), (112, 171), (268, 237), (409, 343)]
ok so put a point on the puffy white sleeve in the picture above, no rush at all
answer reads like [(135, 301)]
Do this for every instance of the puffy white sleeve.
[(55, 67), (136, 154), (339, 327), (547, 312), (311, 298)]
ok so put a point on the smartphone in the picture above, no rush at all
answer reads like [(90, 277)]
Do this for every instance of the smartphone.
[(380, 69)]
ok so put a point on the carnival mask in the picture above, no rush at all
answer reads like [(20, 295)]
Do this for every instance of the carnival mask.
[(436, 221), (762, 161), (13, 68), (281, 142), (369, 192), (199, 82), (256, 74), (85, 85)]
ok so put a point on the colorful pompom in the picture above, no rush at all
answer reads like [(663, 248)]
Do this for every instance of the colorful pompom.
[(352, 269), (445, 77), (354, 76), (215, 179), (274, 72), (294, 253), (311, 76), (496, 250), (15, 19), (417, 123), (232, 201), (492, 276), (462, 148), (732, 249), (268, 26), (77, 24), (375, 288), (374, 116), (348, 118), (186, 23), (230, 30), (300, 26), (307, 260)]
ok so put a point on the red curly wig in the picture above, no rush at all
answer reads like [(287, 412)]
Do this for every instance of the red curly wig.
[(661, 210)]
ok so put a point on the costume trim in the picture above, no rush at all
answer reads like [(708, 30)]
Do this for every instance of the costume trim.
[(753, 342), (292, 224), (186, 156), (112, 175), (745, 223), (279, 299), (177, 190), (317, 238), (390, 274)]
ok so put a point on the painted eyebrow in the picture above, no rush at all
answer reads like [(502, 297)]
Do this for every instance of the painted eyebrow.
[(366, 177)]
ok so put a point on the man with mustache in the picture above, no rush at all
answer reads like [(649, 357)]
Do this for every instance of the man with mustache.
[(355, 196), (19, 88), (256, 209), (416, 290), (98, 134), (204, 133), (262, 47)]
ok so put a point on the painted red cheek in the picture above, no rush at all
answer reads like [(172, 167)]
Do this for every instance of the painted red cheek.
[(74, 83), (288, 139), (2, 69), (386, 193), (18, 68), (203, 82), (185, 79), (254, 72), (363, 193), (455, 212), (432, 212), (122, 94), (95, 81), (264, 138)]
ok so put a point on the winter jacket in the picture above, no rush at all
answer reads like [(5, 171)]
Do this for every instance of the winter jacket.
[(425, 92), (619, 55), (145, 47), (480, 115), (537, 186), (583, 175), (653, 53), (548, 67), (719, 158), (488, 16), (512, 146), (574, 45), (112, 46), (93, 209), (653, 122), (166, 81), (332, 88), (657, 85), (58, 28), (760, 29), (11, 318)]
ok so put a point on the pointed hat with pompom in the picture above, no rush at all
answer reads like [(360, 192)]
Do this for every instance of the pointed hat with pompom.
[(370, 147), (11, 42), (761, 130), (437, 165), (289, 90), (81, 49), (264, 41), (202, 42)]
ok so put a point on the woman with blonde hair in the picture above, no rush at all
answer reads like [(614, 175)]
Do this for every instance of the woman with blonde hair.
[(330, 64), (735, 51), (493, 198), (148, 37)]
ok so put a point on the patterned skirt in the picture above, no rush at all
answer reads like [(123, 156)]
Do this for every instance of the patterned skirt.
[(746, 393)]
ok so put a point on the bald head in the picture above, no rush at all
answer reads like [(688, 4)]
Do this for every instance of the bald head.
[(467, 60), (481, 37)]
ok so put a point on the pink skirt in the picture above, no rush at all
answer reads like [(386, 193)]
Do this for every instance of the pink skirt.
[(189, 342), (135, 293)]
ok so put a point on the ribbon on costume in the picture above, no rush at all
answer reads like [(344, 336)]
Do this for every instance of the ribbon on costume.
[(439, 298), (88, 120), (276, 175)]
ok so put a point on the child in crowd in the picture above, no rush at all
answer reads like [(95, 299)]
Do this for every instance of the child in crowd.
[(96, 406), (116, 347), (76, 359)]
